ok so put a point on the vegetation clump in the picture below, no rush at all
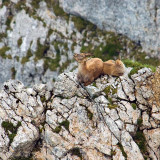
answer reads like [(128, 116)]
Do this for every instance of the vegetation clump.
[(122, 150), (65, 124), (3, 51), (134, 106), (19, 42), (13, 72), (89, 114), (110, 90), (137, 66), (140, 139), (10, 129), (76, 151), (57, 129), (26, 58)]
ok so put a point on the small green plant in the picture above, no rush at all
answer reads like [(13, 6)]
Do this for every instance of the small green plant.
[(19, 42), (35, 4), (122, 150), (43, 99), (76, 151), (13, 72), (113, 152), (6, 2), (10, 129), (89, 114), (3, 51), (65, 124), (139, 122), (22, 158), (8, 22), (137, 66), (26, 58), (20, 5), (2, 36), (57, 129), (134, 106)]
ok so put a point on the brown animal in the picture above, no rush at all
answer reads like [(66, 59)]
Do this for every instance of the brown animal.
[(114, 68), (88, 69)]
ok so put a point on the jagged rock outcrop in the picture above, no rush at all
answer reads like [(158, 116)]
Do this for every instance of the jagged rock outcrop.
[(114, 118), (139, 20)]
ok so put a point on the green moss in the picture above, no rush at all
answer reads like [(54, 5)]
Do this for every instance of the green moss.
[(89, 114), (8, 126), (107, 90), (3, 50), (41, 51), (50, 32), (65, 124), (8, 22), (2, 36), (113, 152), (22, 158), (43, 99), (54, 4), (19, 42), (17, 58), (76, 151), (6, 2), (139, 122), (20, 5), (57, 129), (10, 129), (112, 106), (122, 150), (64, 66), (137, 66), (79, 23), (140, 139), (82, 24), (94, 84), (35, 3), (26, 58), (40, 19), (134, 106), (13, 72), (87, 49)]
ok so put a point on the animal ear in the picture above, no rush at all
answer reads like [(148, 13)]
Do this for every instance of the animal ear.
[(119, 57), (117, 61)]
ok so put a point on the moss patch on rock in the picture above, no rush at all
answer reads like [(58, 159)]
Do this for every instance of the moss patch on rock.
[(137, 66), (19, 42), (26, 58), (13, 72), (122, 150), (10, 129), (3, 51)]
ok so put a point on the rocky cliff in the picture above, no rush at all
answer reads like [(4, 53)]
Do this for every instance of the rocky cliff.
[(38, 39), (139, 20), (113, 118)]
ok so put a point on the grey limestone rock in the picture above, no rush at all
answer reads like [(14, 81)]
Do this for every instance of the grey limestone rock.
[(70, 121), (139, 20)]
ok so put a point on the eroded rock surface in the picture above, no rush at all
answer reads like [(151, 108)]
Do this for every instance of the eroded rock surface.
[(139, 19), (113, 118)]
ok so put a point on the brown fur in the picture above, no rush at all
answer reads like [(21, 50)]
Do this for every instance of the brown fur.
[(88, 69), (114, 68)]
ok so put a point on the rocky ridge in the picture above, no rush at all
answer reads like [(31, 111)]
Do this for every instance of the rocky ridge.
[(114, 118)]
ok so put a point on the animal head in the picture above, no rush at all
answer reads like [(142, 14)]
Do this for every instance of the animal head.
[(82, 57), (119, 63)]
